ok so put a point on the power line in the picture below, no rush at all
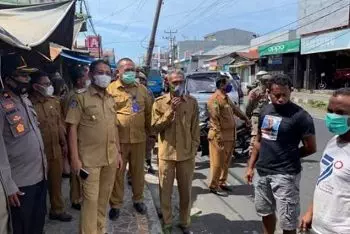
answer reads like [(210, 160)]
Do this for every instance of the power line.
[(116, 11), (171, 38)]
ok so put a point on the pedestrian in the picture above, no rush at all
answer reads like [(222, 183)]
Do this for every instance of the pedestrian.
[(222, 135), (329, 211), (175, 117), (133, 107), (5, 184), (276, 155), (81, 81), (52, 128), (26, 184), (151, 139), (257, 99), (94, 146)]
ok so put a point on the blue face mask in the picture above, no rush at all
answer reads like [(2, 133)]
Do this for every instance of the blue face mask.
[(228, 88), (129, 77), (337, 124)]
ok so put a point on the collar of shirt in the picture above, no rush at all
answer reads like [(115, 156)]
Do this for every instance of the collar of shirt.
[(95, 91), (221, 95), (35, 97)]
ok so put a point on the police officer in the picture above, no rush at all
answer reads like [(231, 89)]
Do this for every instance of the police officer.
[(151, 139), (94, 146), (175, 119), (257, 99), (222, 134), (25, 183), (81, 81), (50, 117), (133, 106)]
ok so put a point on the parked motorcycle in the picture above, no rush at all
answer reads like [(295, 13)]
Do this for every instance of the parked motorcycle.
[(322, 84)]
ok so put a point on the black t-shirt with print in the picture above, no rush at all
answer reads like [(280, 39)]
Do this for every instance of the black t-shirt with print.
[(282, 130)]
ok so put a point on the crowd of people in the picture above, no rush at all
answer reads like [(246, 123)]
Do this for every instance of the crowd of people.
[(110, 122)]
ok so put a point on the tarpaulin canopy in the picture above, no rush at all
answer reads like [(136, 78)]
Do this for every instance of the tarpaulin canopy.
[(78, 58), (35, 26)]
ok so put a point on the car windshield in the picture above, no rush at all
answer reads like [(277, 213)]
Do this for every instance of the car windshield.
[(201, 83)]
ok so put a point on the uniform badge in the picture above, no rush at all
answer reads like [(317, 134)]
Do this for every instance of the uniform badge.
[(8, 105), (73, 103), (16, 118), (20, 128)]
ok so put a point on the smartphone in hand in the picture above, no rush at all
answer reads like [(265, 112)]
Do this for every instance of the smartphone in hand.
[(83, 174)]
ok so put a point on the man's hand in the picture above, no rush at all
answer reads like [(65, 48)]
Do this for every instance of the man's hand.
[(76, 166), (175, 102), (306, 221), (119, 161), (14, 200), (249, 175)]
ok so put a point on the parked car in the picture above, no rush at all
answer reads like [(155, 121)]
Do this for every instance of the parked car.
[(155, 82), (201, 85)]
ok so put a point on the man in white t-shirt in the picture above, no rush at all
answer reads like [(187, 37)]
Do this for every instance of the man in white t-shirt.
[(330, 211)]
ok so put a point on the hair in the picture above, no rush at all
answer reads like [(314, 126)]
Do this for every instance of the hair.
[(35, 77), (58, 85), (341, 92), (95, 63), (122, 60), (177, 73), (222, 79), (281, 80), (77, 73)]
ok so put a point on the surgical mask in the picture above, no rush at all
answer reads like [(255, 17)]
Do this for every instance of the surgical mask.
[(45, 91), (87, 83), (102, 80), (178, 90), (337, 124), (228, 88), (49, 90), (129, 77)]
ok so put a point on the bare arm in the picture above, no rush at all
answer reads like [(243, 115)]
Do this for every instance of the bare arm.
[(253, 159), (73, 147), (306, 220), (309, 146)]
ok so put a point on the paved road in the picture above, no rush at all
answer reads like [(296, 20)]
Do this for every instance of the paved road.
[(236, 213)]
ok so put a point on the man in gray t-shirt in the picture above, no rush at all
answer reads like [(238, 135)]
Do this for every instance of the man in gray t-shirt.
[(23, 162)]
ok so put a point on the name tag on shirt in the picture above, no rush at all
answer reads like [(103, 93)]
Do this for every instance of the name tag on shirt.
[(135, 106)]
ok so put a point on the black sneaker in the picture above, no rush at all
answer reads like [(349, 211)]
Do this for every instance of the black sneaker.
[(63, 217), (140, 207), (219, 192), (114, 214), (150, 170), (76, 206)]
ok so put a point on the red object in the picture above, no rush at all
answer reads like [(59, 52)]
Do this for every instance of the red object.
[(342, 74), (93, 44)]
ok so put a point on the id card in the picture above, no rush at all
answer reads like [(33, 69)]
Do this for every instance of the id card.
[(135, 106)]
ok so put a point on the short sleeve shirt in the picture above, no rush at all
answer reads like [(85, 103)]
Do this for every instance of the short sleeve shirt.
[(94, 114), (281, 132)]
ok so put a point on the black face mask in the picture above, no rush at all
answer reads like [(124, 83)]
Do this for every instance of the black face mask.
[(20, 88)]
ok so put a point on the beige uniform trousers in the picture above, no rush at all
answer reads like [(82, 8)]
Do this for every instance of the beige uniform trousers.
[(134, 154), (55, 168), (220, 159), (96, 191), (4, 215), (183, 171)]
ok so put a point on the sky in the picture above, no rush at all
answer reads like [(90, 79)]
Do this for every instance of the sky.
[(126, 25)]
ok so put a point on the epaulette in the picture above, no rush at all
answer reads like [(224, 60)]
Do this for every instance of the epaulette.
[(79, 91), (160, 98)]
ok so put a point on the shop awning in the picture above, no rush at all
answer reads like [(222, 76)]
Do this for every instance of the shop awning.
[(32, 26), (78, 58), (280, 48)]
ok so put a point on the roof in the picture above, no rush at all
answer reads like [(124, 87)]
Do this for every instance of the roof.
[(223, 50), (251, 55)]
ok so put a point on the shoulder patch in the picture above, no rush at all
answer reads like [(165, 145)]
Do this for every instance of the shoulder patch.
[(73, 103), (160, 98)]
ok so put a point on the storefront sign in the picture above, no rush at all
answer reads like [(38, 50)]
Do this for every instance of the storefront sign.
[(275, 59), (280, 48), (332, 41), (93, 44)]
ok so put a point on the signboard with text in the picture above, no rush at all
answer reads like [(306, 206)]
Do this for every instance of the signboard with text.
[(93, 43), (280, 48)]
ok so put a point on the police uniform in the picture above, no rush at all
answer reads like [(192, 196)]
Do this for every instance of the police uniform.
[(94, 115), (257, 99), (133, 106), (178, 141), (49, 114), (221, 136), (27, 160)]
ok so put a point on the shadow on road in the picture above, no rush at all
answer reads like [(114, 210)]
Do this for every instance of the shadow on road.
[(202, 165), (242, 190), (220, 225)]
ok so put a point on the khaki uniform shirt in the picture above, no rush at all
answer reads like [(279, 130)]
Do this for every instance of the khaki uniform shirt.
[(179, 131), (256, 101), (133, 106), (51, 123), (222, 121), (94, 114), (24, 163)]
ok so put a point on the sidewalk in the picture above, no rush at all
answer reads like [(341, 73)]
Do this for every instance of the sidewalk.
[(314, 103), (129, 222)]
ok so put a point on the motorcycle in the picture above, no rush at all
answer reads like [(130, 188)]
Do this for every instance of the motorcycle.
[(322, 82), (242, 142)]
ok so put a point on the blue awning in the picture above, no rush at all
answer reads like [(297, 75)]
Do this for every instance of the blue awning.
[(82, 59)]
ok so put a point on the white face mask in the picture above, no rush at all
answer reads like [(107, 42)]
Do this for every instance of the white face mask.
[(49, 90), (102, 80), (45, 91), (87, 83)]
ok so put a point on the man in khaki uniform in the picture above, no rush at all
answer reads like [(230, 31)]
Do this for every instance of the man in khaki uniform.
[(175, 119), (51, 124), (222, 135), (81, 81), (133, 106), (257, 99), (94, 146)]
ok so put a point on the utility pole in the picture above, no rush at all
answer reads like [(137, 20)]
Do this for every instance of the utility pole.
[(153, 35), (171, 39)]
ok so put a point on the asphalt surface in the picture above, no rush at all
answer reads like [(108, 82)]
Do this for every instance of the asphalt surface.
[(236, 213)]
